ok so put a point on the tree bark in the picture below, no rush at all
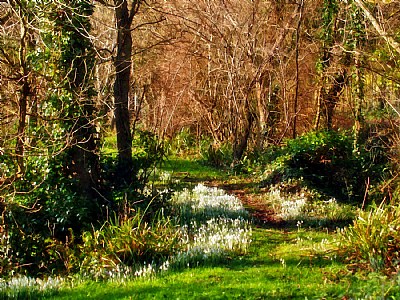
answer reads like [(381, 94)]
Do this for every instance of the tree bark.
[(123, 66), (24, 94), (331, 98), (20, 144), (296, 96)]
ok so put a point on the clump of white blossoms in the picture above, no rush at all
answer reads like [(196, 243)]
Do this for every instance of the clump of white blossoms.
[(291, 209), (210, 201), (221, 234), (221, 228), (20, 285)]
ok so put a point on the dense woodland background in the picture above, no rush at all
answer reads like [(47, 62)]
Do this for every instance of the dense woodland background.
[(236, 77)]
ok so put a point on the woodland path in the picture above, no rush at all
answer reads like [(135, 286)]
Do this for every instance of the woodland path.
[(262, 214)]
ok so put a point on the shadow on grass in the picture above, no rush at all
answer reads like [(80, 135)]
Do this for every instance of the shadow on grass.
[(257, 275)]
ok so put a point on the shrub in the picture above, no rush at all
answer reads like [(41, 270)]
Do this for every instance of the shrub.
[(48, 206), (125, 242), (218, 156), (373, 241), (327, 161), (39, 218)]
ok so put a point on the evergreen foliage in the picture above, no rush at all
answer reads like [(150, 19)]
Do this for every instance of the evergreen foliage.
[(326, 160)]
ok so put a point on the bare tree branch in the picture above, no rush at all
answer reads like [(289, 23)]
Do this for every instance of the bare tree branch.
[(395, 45)]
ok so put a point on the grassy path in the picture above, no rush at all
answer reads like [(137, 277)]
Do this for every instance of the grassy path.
[(283, 262), (278, 266)]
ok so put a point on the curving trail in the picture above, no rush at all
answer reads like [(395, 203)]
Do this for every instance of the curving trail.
[(262, 214)]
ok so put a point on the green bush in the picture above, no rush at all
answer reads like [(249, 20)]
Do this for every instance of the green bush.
[(373, 241), (46, 207), (326, 160), (219, 156), (127, 242), (40, 216)]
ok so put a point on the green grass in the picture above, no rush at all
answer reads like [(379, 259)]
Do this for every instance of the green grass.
[(278, 266), (282, 263), (192, 170), (259, 275)]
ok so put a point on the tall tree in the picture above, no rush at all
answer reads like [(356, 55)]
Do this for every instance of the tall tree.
[(77, 62), (125, 11), (123, 65)]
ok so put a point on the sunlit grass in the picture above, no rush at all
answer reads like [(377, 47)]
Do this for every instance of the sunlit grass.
[(278, 266), (219, 231), (192, 169), (224, 257)]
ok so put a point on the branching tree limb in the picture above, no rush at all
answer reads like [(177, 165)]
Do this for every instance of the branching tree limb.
[(395, 45)]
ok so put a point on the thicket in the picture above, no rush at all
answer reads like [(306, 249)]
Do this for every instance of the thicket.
[(44, 223), (55, 182), (329, 162)]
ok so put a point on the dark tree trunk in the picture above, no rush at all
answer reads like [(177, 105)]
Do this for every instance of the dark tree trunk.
[(296, 97), (123, 65), (23, 97), (331, 98)]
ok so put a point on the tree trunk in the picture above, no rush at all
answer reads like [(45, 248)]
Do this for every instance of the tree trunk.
[(273, 113), (240, 146), (20, 144), (331, 98), (24, 94), (359, 99), (123, 65), (296, 96)]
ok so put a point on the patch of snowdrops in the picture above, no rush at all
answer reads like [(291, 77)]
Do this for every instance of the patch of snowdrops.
[(305, 205), (212, 226), (24, 287), (215, 225), (208, 202), (288, 207)]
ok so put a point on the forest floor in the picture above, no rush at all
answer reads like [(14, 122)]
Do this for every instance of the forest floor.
[(261, 212), (284, 261)]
